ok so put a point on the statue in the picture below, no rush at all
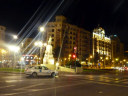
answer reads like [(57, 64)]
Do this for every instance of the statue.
[(48, 56)]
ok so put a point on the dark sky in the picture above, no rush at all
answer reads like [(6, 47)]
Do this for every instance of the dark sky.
[(112, 15)]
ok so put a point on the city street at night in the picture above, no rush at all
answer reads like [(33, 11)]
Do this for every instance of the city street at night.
[(13, 84)]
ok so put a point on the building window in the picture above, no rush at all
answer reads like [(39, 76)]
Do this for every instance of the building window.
[(74, 34), (52, 35), (70, 32), (58, 30), (52, 30), (70, 37)]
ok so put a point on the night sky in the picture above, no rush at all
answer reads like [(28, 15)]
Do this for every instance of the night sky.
[(112, 15)]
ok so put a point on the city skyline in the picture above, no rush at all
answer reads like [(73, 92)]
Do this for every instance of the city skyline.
[(85, 14)]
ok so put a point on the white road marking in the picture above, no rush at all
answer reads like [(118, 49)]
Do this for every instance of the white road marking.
[(7, 86), (34, 90), (22, 88)]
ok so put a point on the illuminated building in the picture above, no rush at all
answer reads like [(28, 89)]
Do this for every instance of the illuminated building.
[(68, 36), (3, 51), (100, 43), (117, 47), (2, 35)]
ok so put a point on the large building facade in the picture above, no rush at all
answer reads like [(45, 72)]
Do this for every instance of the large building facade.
[(3, 51), (68, 36), (101, 45), (117, 48)]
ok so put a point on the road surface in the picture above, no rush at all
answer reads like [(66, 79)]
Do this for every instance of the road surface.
[(12, 84)]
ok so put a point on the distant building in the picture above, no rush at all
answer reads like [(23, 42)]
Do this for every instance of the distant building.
[(68, 36), (101, 44), (3, 51), (2, 35), (117, 48)]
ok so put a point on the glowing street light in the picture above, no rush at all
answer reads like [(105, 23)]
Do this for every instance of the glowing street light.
[(38, 43), (41, 29), (91, 56), (14, 48), (117, 59), (124, 60), (15, 37), (106, 58)]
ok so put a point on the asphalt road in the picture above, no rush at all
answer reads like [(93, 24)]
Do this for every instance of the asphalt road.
[(67, 85)]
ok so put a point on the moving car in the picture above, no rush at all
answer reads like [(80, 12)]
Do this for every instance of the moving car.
[(40, 71)]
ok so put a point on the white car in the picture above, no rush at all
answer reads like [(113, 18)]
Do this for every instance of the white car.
[(40, 70)]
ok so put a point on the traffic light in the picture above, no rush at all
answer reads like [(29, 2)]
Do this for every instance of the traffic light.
[(73, 56)]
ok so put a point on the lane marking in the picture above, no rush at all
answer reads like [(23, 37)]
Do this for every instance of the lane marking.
[(35, 90), (7, 86), (22, 88)]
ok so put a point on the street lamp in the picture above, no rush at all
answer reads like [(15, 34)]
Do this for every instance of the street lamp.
[(3, 55), (14, 49), (40, 44), (41, 29), (15, 37)]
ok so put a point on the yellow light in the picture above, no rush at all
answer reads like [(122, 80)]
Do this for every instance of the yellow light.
[(117, 59), (101, 57), (3, 51), (57, 64), (35, 55), (45, 44), (65, 58), (91, 56), (52, 61), (124, 60), (106, 58), (69, 55), (38, 43)]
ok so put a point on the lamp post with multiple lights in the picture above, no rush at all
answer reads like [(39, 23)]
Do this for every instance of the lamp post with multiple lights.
[(41, 45)]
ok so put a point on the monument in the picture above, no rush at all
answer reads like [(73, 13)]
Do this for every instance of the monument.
[(48, 56)]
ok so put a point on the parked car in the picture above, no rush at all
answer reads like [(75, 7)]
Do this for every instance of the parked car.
[(40, 71)]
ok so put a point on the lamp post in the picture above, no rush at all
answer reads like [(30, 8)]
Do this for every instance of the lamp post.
[(41, 29), (116, 61), (40, 44), (14, 49), (90, 57), (3, 54)]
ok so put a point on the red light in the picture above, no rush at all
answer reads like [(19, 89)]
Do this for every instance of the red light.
[(74, 56)]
